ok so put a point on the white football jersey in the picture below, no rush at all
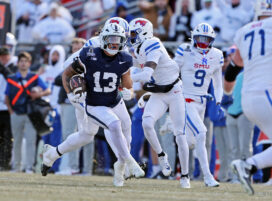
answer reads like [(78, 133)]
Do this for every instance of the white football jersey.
[(94, 41), (167, 71), (198, 69), (254, 42)]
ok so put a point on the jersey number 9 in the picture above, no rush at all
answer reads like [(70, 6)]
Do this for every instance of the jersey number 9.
[(199, 75)]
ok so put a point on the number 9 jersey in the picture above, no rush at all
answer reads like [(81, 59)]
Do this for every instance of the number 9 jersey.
[(103, 74), (254, 42), (198, 69)]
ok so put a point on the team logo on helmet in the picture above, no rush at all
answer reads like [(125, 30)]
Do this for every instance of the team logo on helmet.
[(114, 21), (141, 22), (205, 28)]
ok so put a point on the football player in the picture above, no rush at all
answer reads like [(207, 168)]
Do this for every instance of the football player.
[(80, 101), (104, 69), (200, 63), (254, 53), (157, 66)]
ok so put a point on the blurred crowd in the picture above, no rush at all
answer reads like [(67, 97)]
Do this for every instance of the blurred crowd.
[(57, 28)]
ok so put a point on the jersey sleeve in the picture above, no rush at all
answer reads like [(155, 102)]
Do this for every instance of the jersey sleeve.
[(127, 59), (237, 37), (179, 56), (83, 54), (152, 51)]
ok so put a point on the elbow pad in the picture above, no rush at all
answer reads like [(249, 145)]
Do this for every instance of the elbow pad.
[(143, 76), (232, 71), (78, 66)]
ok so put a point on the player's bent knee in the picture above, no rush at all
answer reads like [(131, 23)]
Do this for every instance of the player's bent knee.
[(201, 137), (115, 127), (148, 123)]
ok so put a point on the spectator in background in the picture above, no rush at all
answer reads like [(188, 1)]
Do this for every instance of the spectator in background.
[(17, 101), (64, 12), (234, 17), (209, 14), (121, 11), (240, 129), (29, 13), (159, 13), (53, 29), (180, 29), (95, 7), (108, 4), (7, 62), (48, 74)]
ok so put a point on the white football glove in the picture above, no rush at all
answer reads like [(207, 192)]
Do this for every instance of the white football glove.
[(126, 94), (141, 102), (76, 98)]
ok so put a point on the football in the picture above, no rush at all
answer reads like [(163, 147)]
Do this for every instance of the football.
[(77, 84)]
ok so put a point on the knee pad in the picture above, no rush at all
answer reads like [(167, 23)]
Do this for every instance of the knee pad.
[(115, 127), (201, 138), (84, 137), (148, 123)]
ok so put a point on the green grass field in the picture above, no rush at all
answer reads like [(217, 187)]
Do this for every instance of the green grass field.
[(34, 187)]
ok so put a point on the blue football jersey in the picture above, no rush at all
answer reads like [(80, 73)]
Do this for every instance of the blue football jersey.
[(103, 75)]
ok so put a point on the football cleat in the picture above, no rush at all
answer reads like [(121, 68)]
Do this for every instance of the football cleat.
[(118, 177), (185, 182), (166, 169), (50, 155), (143, 166), (134, 168), (210, 181), (242, 170)]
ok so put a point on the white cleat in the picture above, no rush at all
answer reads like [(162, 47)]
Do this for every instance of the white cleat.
[(119, 170), (166, 168), (134, 168), (210, 181), (50, 155), (185, 182), (242, 170)]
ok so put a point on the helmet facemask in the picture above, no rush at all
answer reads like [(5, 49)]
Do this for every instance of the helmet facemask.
[(113, 44), (202, 42), (134, 39)]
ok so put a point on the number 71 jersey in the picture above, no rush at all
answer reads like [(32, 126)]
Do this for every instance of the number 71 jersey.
[(103, 75), (254, 42), (198, 69)]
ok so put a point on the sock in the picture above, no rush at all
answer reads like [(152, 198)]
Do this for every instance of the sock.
[(261, 160), (118, 140), (150, 134), (202, 154), (183, 152), (75, 141)]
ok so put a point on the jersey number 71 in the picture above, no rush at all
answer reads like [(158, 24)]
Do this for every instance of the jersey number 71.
[(252, 34)]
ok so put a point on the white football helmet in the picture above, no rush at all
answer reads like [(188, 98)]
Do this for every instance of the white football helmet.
[(11, 42), (203, 37), (263, 8), (111, 35), (122, 22), (141, 29)]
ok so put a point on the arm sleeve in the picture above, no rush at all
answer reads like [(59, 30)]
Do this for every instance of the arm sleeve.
[(42, 84), (70, 59), (218, 85)]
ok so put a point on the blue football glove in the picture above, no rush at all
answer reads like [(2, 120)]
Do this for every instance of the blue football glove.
[(219, 112)]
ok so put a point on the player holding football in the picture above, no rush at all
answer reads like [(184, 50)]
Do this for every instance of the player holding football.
[(79, 100), (157, 66), (254, 53), (200, 63), (104, 69)]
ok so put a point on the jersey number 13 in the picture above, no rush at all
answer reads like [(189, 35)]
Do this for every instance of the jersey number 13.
[(106, 76)]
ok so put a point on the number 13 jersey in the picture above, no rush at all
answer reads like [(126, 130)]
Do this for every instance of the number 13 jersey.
[(103, 75), (254, 41), (198, 69)]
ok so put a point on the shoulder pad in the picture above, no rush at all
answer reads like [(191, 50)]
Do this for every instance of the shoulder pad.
[(94, 42), (150, 45)]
